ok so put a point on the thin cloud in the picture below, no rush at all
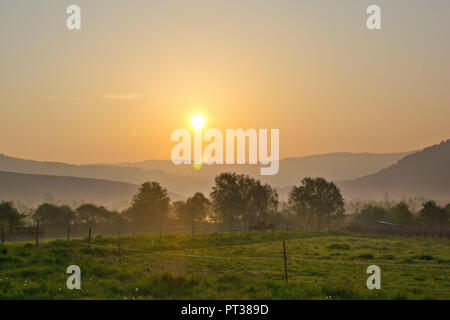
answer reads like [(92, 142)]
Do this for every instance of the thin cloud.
[(62, 98), (131, 96), (108, 96)]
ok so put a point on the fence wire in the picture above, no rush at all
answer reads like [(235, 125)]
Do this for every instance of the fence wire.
[(291, 258), (310, 279)]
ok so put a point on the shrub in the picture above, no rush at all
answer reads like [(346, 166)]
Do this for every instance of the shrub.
[(337, 246)]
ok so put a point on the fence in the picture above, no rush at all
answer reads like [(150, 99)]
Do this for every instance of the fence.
[(402, 230), (38, 233), (284, 260), (24, 234)]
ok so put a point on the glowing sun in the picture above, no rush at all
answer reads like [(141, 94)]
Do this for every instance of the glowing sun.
[(198, 121)]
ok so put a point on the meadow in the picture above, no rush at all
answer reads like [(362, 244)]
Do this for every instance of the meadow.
[(326, 265)]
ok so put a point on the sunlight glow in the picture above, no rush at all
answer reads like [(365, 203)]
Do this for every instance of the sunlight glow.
[(197, 121)]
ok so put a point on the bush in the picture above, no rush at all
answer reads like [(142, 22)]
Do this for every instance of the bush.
[(337, 246), (366, 256)]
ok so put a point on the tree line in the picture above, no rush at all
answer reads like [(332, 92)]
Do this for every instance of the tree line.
[(430, 214), (235, 199)]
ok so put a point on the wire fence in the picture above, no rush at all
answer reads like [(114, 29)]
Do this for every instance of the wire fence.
[(27, 234), (229, 264), (413, 230), (22, 234), (292, 258)]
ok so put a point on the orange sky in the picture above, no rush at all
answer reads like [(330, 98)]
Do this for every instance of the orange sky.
[(137, 70)]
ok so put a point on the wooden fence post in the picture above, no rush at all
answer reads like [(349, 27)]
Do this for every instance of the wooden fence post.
[(285, 264), (89, 239), (68, 234), (120, 251), (3, 236), (37, 233), (218, 231)]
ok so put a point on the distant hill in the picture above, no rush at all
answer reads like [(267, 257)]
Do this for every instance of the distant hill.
[(424, 173), (34, 189), (359, 175), (178, 184), (184, 180), (333, 166)]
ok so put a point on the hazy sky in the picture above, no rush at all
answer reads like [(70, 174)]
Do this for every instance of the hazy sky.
[(137, 70)]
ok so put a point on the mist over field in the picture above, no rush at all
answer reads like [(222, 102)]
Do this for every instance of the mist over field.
[(185, 180), (365, 176)]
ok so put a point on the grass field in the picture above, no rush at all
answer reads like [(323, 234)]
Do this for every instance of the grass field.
[(320, 266)]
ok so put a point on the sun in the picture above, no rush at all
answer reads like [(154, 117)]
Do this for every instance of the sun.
[(198, 121)]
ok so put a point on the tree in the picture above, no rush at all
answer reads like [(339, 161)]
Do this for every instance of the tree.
[(9, 216), (53, 216), (432, 214), (181, 212), (370, 213), (317, 200), (194, 210), (198, 206), (401, 213), (149, 206), (91, 215), (240, 197), (286, 215), (226, 197), (260, 201)]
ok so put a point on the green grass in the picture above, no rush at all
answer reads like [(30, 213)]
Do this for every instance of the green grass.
[(328, 266)]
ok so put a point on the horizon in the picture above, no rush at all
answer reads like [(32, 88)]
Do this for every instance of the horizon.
[(145, 160)]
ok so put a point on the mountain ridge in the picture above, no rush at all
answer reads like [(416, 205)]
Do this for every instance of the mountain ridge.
[(185, 180), (423, 173), (36, 188)]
